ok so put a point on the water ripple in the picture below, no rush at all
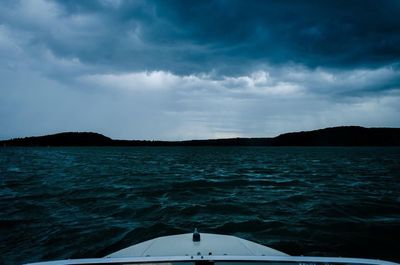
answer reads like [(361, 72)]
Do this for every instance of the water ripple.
[(60, 203)]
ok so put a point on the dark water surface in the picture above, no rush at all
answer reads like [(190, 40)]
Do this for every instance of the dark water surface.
[(58, 203)]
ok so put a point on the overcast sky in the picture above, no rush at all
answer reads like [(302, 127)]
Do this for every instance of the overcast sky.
[(173, 70)]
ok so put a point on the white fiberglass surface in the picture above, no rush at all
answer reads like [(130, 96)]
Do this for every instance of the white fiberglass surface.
[(219, 260)]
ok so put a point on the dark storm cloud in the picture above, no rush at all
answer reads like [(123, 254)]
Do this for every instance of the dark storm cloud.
[(217, 33), (200, 36), (197, 69), (313, 33)]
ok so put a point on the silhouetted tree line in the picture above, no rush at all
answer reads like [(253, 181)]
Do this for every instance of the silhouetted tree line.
[(336, 136)]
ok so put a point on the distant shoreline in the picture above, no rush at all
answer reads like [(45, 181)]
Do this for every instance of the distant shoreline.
[(334, 136)]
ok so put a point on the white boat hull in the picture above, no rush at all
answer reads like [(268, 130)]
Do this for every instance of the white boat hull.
[(183, 245), (212, 249)]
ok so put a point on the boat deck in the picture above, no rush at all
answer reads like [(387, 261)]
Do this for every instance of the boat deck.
[(183, 245)]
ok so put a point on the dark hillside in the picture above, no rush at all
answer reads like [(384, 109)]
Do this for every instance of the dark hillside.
[(336, 136), (341, 136), (62, 139)]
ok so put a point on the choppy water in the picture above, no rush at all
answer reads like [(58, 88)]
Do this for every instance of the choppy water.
[(58, 203)]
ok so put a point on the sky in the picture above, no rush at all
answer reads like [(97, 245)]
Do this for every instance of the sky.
[(175, 70)]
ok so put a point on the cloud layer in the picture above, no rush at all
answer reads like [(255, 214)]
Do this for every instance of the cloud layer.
[(181, 70)]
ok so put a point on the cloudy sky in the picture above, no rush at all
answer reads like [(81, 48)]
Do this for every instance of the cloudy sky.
[(173, 70)]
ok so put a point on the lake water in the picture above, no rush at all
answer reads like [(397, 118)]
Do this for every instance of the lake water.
[(58, 203)]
